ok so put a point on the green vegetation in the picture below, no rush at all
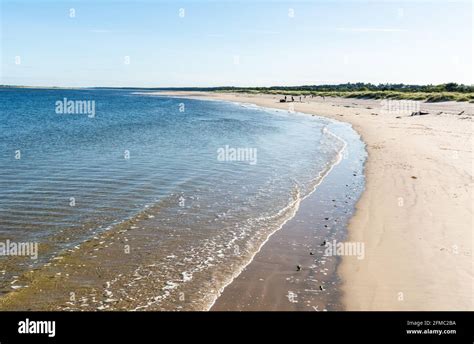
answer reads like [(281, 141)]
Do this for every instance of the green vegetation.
[(429, 93)]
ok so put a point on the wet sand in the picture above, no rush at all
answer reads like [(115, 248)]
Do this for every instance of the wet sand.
[(414, 218), (271, 281)]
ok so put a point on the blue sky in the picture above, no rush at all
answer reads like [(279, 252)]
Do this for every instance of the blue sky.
[(241, 43)]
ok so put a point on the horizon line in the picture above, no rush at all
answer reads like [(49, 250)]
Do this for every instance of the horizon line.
[(228, 86)]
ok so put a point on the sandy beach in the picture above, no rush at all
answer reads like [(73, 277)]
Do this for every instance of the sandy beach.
[(414, 217)]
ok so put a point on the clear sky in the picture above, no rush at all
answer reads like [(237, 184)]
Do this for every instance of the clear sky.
[(239, 43)]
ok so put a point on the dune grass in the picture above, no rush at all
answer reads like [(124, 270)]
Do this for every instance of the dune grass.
[(422, 96), (428, 93)]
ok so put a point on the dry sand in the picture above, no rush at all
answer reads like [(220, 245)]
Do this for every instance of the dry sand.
[(415, 216)]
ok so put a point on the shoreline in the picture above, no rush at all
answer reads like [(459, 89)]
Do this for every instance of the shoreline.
[(321, 179), (414, 216)]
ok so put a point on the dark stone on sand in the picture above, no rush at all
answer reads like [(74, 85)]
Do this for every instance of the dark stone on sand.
[(321, 288), (326, 218), (324, 243), (311, 254), (419, 113), (413, 177), (398, 117), (298, 267)]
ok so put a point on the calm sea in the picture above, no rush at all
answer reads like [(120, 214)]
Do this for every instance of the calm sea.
[(203, 182)]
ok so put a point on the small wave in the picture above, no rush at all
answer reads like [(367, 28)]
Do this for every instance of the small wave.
[(293, 207)]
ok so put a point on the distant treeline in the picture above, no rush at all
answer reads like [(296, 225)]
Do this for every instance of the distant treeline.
[(430, 93), (357, 87), (348, 87)]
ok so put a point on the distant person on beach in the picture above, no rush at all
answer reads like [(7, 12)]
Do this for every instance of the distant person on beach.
[(292, 98)]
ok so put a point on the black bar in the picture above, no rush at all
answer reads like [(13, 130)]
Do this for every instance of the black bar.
[(296, 327)]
